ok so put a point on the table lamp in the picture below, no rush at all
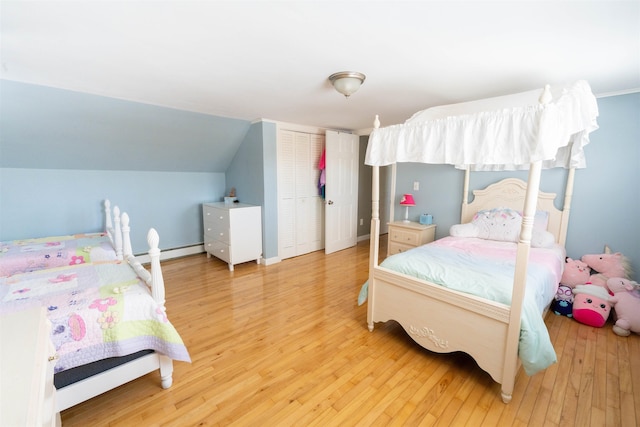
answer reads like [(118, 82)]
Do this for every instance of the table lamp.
[(406, 201)]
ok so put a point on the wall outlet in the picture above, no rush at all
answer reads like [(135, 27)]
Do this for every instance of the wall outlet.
[(361, 221), (416, 185)]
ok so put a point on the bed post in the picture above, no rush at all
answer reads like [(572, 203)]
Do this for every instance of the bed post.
[(126, 236), (157, 281), (520, 276), (519, 282), (465, 195), (566, 208), (157, 292), (118, 232), (374, 233), (108, 225)]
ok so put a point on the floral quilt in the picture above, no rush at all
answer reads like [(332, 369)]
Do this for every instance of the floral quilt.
[(23, 256), (97, 310)]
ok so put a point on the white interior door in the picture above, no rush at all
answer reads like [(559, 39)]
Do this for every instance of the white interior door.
[(341, 191)]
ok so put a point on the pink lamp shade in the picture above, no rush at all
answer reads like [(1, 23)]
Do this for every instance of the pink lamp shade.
[(407, 200)]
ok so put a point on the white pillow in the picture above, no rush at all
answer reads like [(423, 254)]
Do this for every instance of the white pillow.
[(501, 224)]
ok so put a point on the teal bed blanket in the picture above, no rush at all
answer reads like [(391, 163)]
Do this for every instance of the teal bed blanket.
[(485, 268)]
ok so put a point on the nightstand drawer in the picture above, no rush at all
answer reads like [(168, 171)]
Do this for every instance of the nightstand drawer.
[(407, 237), (396, 248)]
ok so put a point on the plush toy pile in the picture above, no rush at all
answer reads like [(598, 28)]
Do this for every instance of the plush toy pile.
[(597, 285)]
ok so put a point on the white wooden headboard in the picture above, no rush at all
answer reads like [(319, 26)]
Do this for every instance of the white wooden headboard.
[(510, 193)]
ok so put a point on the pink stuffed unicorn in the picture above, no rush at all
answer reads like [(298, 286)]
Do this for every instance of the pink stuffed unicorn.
[(607, 265), (626, 302)]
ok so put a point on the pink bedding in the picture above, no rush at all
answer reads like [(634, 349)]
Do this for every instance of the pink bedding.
[(23, 256), (97, 310)]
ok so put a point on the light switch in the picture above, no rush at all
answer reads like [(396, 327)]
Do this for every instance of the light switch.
[(416, 185)]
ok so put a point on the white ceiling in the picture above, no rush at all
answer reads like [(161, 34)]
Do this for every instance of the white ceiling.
[(267, 59)]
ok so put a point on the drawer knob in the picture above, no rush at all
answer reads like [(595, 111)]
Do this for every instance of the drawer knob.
[(221, 217), (221, 251), (222, 234)]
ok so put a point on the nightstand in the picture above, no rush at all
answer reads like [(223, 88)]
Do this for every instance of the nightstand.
[(407, 235), (27, 359)]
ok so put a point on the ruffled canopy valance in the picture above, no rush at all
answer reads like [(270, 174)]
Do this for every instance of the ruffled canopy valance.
[(503, 133)]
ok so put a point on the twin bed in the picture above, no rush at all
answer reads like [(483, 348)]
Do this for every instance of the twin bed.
[(484, 290), (107, 311)]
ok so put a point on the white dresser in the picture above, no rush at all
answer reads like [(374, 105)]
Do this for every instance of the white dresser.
[(27, 359), (232, 232)]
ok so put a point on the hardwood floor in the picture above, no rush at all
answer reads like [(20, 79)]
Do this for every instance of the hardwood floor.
[(288, 345)]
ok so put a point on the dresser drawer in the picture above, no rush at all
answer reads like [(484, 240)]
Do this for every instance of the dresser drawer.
[(218, 249), (216, 216), (217, 231), (216, 224)]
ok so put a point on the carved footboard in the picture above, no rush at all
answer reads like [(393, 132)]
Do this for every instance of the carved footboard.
[(443, 321)]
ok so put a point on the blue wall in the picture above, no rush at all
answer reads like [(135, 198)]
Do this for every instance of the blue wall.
[(253, 173), (51, 202), (606, 198), (63, 152), (47, 128)]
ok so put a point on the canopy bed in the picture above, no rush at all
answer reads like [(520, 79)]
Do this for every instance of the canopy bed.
[(107, 312), (446, 312)]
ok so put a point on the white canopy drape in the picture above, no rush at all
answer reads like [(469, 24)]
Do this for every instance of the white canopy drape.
[(503, 133)]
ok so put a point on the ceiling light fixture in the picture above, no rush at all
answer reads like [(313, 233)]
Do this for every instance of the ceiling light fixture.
[(347, 82)]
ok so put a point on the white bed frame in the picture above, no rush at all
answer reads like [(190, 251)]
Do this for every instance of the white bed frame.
[(444, 320), (119, 233)]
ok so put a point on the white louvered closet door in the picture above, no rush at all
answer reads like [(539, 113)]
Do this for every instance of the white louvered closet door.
[(300, 207)]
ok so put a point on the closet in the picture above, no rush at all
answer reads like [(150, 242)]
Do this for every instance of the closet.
[(300, 205)]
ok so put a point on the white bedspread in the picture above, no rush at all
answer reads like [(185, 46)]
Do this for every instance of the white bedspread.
[(485, 268)]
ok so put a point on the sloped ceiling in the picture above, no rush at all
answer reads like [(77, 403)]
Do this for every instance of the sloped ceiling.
[(265, 59)]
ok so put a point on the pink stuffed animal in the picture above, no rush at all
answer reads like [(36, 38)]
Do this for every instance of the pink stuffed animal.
[(575, 273), (607, 265), (626, 302), (591, 305)]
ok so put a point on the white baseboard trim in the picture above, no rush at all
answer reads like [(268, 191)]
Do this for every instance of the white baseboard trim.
[(364, 237), (270, 261), (172, 253)]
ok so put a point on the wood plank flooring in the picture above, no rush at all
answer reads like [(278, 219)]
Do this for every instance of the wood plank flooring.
[(287, 345)]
